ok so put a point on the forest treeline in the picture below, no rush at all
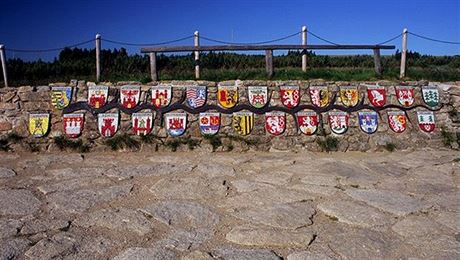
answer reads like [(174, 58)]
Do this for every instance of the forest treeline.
[(118, 65)]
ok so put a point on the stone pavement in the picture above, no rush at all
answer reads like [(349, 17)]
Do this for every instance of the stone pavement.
[(401, 205)]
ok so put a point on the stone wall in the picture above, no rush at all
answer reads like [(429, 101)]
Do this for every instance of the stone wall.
[(17, 103)]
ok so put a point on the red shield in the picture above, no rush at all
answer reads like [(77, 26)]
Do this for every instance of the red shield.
[(129, 95), (290, 96), (397, 121), (405, 96), (275, 122), (426, 121), (73, 124), (161, 96), (142, 123), (376, 95), (308, 122)]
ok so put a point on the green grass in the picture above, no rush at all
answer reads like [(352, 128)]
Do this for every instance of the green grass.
[(7, 140), (122, 141), (78, 145), (390, 147)]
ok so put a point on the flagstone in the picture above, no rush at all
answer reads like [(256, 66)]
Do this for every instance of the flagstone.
[(248, 186), (182, 214), (120, 219), (182, 240), (9, 227), (78, 201), (449, 219), (391, 201), (270, 237), (197, 255), (291, 216), (13, 248), (189, 188), (18, 202), (6, 172), (353, 213), (305, 255), (244, 254), (134, 253)]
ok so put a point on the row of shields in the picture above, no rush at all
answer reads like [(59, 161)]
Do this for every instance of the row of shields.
[(242, 122), (227, 96)]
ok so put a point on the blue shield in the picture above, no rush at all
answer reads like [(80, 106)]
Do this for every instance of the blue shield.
[(196, 96), (368, 121)]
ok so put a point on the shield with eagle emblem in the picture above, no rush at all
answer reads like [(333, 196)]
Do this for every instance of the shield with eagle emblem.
[(97, 96), (349, 96)]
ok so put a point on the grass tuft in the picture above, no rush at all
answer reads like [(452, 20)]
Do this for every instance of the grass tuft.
[(78, 145), (122, 141), (328, 144), (390, 147)]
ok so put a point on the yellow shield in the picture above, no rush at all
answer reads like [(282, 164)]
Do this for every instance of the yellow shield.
[(243, 122), (349, 96), (227, 96), (38, 124)]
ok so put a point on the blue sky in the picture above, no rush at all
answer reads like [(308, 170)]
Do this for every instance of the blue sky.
[(48, 24)]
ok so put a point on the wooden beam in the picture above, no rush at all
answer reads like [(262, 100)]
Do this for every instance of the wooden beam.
[(3, 61), (196, 42), (263, 47), (304, 42), (269, 62), (402, 72), (98, 57), (153, 66), (377, 62)]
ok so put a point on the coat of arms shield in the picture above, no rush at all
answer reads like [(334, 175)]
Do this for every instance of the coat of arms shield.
[(258, 96), (405, 95), (338, 122), (307, 122), (368, 121), (430, 95), (129, 95), (97, 96), (227, 96), (73, 124), (377, 95), (349, 96), (61, 97), (319, 96), (275, 122), (176, 123), (209, 123), (426, 121), (39, 124), (290, 96), (243, 122), (397, 121), (161, 96), (142, 123), (107, 124), (196, 96)]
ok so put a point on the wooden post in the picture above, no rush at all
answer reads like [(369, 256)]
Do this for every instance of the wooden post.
[(153, 66), (197, 54), (377, 62), (269, 62), (304, 55), (402, 73), (98, 57), (3, 60)]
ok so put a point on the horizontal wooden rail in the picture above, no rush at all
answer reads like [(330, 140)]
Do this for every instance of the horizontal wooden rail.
[(263, 47)]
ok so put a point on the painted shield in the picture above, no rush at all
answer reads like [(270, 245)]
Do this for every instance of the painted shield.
[(426, 121), (405, 95), (258, 96), (368, 121), (176, 123), (349, 96), (142, 123), (107, 124), (209, 123), (290, 96), (129, 95), (319, 96), (161, 96), (196, 96), (338, 122), (243, 122), (377, 95), (308, 122), (227, 96), (275, 122), (430, 96), (61, 97), (73, 124), (397, 121), (39, 124), (97, 96)]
